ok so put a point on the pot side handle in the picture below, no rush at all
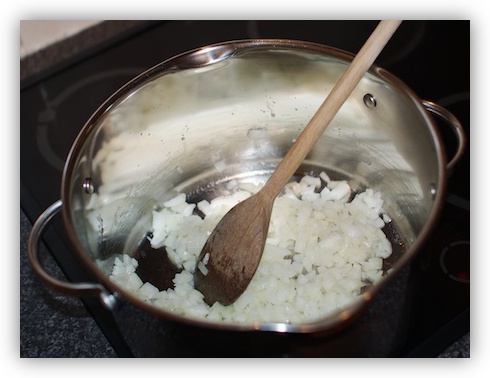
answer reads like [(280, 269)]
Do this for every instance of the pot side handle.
[(447, 116), (81, 289)]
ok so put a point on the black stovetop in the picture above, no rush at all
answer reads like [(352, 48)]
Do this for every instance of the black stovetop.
[(431, 57)]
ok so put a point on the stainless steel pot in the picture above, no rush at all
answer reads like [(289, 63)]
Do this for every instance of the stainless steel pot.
[(230, 112)]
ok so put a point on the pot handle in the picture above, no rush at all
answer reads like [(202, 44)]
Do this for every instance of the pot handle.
[(81, 289), (447, 116)]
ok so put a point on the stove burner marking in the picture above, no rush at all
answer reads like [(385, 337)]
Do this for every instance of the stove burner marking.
[(461, 275), (454, 98), (458, 201), (48, 116)]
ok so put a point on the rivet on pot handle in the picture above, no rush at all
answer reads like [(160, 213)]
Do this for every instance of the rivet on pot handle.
[(455, 124), (81, 289)]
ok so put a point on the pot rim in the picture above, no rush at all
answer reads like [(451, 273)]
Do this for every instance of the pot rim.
[(212, 54)]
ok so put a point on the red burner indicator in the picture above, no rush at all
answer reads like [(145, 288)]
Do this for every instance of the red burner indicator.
[(455, 261)]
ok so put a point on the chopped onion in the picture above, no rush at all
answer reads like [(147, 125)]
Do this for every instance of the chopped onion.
[(321, 251)]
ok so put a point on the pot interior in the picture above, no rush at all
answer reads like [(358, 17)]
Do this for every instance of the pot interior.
[(230, 113)]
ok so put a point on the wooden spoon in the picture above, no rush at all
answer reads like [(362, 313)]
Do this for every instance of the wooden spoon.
[(233, 251)]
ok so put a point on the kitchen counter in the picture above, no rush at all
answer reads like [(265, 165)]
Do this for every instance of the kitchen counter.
[(53, 325), (40, 58)]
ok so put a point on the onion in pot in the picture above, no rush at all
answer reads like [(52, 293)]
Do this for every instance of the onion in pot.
[(322, 250)]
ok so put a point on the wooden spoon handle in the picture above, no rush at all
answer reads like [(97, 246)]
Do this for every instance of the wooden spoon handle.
[(341, 91)]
